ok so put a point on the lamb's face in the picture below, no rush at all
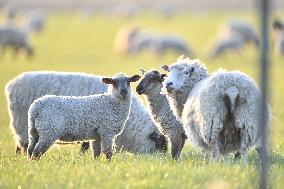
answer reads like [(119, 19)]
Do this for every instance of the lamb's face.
[(183, 75), (121, 84), (152, 81)]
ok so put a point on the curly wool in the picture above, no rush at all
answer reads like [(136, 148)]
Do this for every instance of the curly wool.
[(161, 113), (21, 92), (68, 119), (205, 115)]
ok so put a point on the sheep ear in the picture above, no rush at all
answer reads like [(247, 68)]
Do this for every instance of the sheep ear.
[(107, 80), (134, 78), (165, 67), (142, 71), (163, 76)]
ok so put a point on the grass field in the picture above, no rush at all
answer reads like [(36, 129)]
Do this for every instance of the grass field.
[(70, 44)]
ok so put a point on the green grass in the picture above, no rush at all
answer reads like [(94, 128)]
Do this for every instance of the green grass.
[(70, 44)]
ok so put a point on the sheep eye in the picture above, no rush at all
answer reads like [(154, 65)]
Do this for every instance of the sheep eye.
[(192, 69), (186, 73)]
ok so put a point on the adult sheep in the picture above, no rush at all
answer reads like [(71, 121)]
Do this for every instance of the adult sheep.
[(219, 112), (140, 135)]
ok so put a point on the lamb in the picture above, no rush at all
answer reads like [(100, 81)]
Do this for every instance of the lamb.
[(278, 37), (100, 118), (162, 115), (219, 112), (14, 37), (140, 135)]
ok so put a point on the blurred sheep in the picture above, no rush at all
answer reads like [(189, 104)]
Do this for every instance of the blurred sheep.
[(124, 10), (133, 40), (34, 21), (15, 38)]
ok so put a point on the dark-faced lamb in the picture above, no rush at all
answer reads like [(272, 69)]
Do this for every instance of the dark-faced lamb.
[(162, 115)]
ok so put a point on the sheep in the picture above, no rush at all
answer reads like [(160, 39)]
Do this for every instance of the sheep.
[(140, 135), (100, 118), (219, 112), (132, 40), (16, 38), (34, 21), (224, 45), (278, 37), (162, 115), (244, 30)]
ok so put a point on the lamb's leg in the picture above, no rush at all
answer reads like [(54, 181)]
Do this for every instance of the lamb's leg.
[(175, 147), (244, 152), (41, 147), (107, 143), (96, 144), (244, 148), (33, 140), (85, 146)]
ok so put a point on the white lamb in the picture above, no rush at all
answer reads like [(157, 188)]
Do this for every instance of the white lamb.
[(100, 118), (219, 112), (140, 135), (162, 115)]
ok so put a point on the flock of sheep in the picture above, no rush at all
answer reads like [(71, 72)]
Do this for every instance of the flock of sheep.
[(217, 113)]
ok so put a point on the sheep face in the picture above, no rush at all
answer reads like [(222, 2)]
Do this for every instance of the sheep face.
[(152, 81), (120, 84), (183, 74)]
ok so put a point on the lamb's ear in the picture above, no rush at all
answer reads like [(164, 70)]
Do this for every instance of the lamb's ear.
[(107, 80), (134, 78), (165, 67), (163, 76), (142, 71)]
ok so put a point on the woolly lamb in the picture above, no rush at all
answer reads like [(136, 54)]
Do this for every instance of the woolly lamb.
[(278, 37), (14, 37), (140, 135), (99, 117), (219, 112), (162, 115)]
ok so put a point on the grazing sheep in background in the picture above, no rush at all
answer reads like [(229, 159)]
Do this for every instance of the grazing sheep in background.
[(245, 30), (219, 112), (140, 135), (100, 118), (124, 10), (34, 21), (278, 37), (132, 40), (15, 38), (225, 45), (162, 115), (10, 14)]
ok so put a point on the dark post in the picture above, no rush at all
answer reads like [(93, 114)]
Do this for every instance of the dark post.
[(264, 60)]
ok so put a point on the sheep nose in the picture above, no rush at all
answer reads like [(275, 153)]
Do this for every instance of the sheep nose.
[(123, 92)]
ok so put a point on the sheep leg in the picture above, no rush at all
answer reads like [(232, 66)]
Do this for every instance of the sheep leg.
[(33, 140), (96, 148), (175, 147), (41, 147), (217, 150), (85, 146), (107, 143), (244, 152)]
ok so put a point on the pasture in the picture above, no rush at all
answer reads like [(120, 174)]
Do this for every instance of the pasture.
[(72, 44)]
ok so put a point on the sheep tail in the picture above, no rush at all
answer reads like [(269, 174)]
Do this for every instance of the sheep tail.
[(231, 98)]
